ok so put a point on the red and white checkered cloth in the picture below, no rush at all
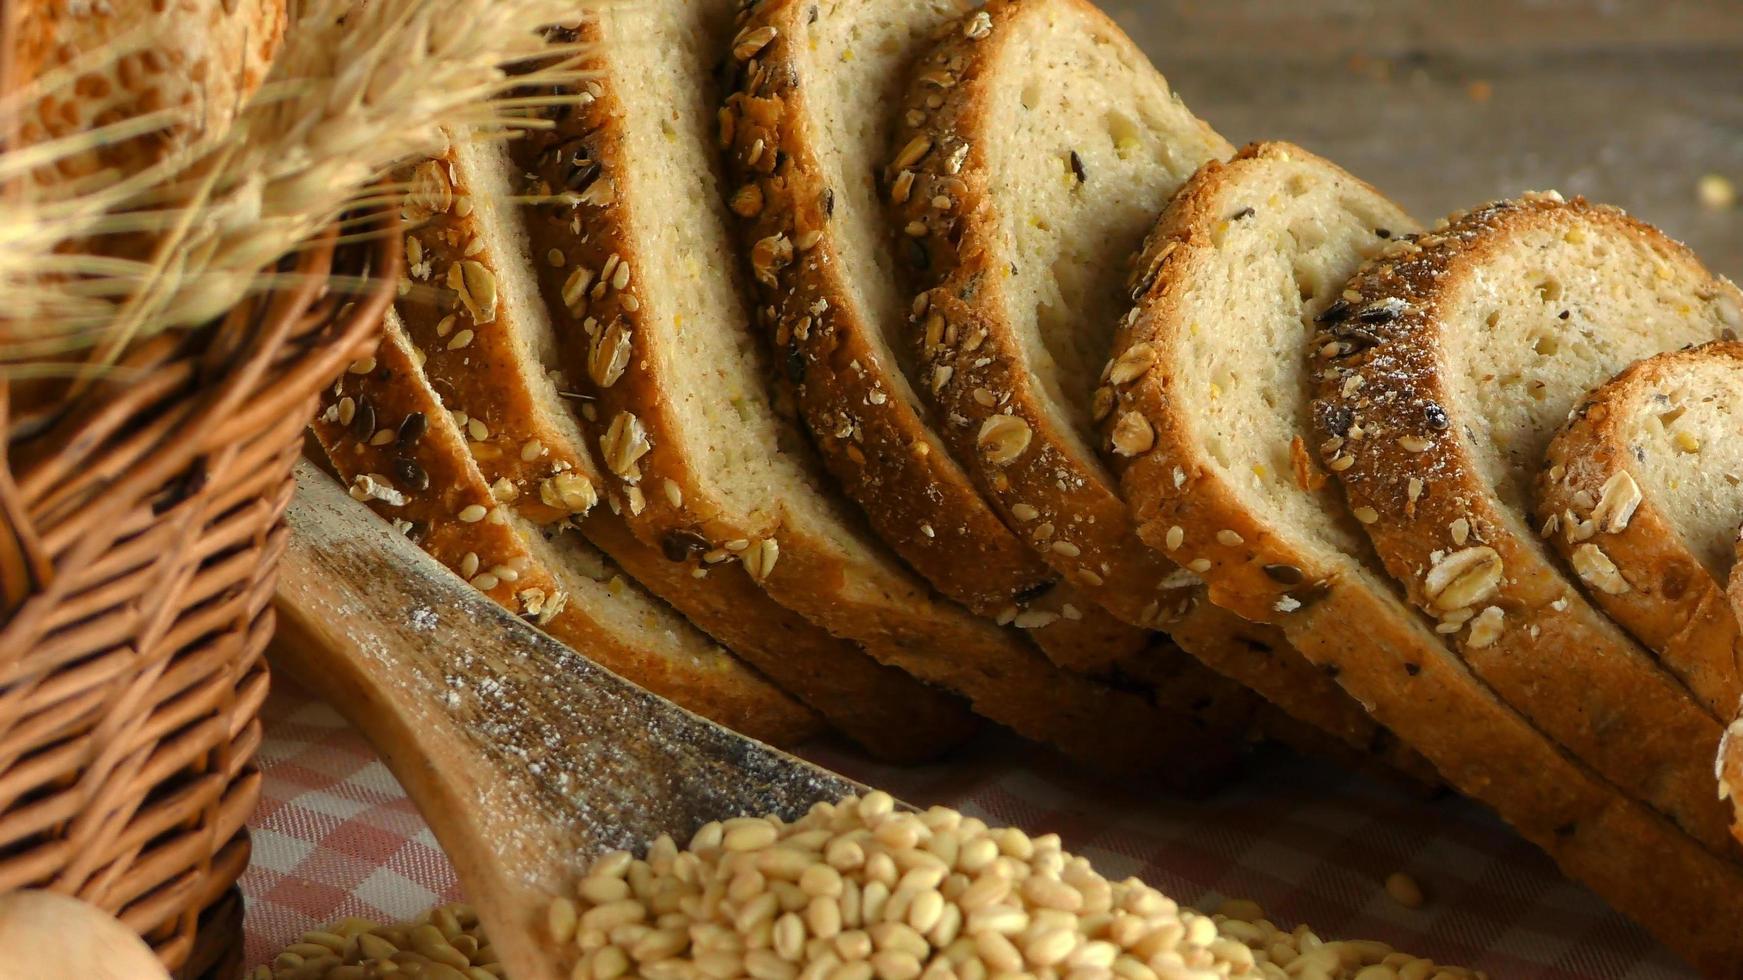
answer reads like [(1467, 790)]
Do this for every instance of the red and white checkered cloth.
[(335, 836)]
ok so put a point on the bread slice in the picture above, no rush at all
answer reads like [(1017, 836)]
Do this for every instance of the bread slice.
[(387, 433), (1643, 489), (1641, 492), (491, 351), (1228, 301), (1037, 146), (840, 313), (1441, 376), (1021, 262), (641, 272), (822, 93), (1211, 397)]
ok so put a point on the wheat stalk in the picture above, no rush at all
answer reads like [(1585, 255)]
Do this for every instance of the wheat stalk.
[(357, 88)]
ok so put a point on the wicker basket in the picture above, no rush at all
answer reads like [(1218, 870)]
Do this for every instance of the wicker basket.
[(139, 529)]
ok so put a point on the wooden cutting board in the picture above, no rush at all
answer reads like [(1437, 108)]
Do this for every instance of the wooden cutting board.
[(526, 759)]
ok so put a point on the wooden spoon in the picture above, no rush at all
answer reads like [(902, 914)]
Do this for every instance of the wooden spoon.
[(526, 758)]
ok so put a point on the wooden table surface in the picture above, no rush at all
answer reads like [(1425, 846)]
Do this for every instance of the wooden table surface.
[(1444, 104)]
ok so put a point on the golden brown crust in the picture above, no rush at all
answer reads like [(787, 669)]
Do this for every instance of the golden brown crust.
[(1411, 681), (1640, 863), (1064, 506), (454, 305), (1060, 504), (544, 473), (1255, 571), (876, 442), (388, 436), (665, 499), (1672, 603), (1182, 504), (1438, 527), (880, 445), (204, 56)]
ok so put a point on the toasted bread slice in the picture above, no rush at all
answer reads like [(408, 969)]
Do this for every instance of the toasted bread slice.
[(1036, 148), (387, 433), (1243, 258), (1643, 489), (641, 271), (1441, 375), (825, 87), (490, 350)]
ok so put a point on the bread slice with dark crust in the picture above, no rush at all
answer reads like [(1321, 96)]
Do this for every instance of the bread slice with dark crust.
[(1642, 491), (1232, 297), (388, 435), (823, 92), (1009, 376), (1441, 376), (493, 364), (1013, 289), (641, 274)]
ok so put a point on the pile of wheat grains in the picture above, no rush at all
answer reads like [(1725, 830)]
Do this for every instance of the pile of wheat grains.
[(859, 889)]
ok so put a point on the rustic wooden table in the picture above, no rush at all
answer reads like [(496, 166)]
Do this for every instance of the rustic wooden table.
[(1447, 103)]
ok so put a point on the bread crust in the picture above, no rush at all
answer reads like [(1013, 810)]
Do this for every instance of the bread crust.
[(1180, 500), (856, 402), (1673, 605), (1063, 505), (1554, 658), (1395, 664), (424, 458), (541, 469), (204, 55), (890, 459), (1060, 503), (1634, 858), (667, 502)]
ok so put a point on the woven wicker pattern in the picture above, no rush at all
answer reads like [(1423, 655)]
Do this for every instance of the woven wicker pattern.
[(139, 527)]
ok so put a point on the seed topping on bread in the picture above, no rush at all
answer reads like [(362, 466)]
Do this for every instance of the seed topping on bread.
[(1441, 380)]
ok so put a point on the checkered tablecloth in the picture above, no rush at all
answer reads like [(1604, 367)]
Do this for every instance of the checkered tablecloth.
[(335, 836)]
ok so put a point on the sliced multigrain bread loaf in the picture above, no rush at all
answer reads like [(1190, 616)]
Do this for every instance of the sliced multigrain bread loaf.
[(387, 433), (1441, 375), (1242, 259), (1036, 147), (641, 270), (820, 85), (1642, 491), (490, 351)]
